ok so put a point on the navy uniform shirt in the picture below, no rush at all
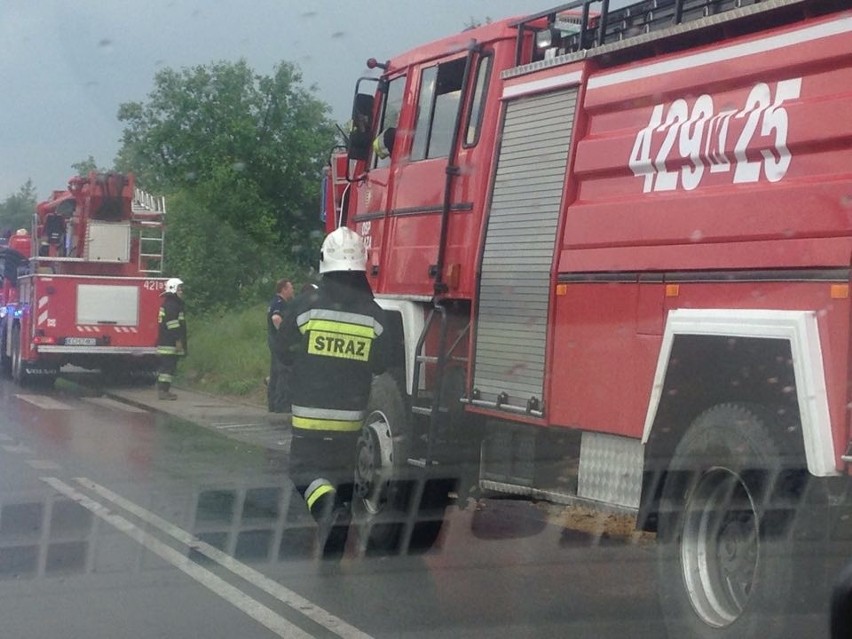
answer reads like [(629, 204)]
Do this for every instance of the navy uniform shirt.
[(277, 306)]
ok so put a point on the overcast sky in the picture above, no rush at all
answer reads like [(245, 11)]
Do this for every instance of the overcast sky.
[(66, 65)]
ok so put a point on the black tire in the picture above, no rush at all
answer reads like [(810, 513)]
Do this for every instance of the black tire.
[(725, 542), (385, 485), (124, 373), (144, 377), (19, 371), (5, 360)]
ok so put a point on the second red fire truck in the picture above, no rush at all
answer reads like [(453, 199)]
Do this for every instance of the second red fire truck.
[(83, 286), (615, 250)]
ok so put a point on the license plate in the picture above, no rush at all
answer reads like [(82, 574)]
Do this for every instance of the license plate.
[(81, 341)]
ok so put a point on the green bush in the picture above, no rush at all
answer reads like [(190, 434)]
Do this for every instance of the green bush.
[(228, 353)]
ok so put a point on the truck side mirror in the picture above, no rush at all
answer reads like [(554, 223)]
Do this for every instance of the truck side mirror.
[(360, 137)]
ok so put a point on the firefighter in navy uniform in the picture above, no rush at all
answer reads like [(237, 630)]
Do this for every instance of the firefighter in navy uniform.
[(171, 336), (278, 386), (334, 334)]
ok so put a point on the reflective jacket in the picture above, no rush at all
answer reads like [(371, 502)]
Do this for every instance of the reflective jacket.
[(334, 336), (171, 326)]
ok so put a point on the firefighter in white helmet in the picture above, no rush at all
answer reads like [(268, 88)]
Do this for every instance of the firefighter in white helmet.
[(334, 335), (171, 336)]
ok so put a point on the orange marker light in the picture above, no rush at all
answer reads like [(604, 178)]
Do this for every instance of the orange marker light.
[(839, 291)]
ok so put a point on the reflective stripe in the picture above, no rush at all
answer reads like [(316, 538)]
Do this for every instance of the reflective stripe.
[(164, 377), (327, 413), (167, 350), (338, 316), (311, 499), (338, 327), (312, 423), (181, 317), (379, 147), (173, 324)]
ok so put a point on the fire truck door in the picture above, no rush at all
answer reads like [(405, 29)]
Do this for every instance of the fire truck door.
[(373, 195), (511, 325), (422, 192)]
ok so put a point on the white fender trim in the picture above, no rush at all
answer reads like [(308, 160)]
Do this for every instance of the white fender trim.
[(413, 319), (801, 330)]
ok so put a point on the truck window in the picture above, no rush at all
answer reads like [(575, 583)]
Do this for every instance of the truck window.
[(477, 105), (389, 115), (440, 90)]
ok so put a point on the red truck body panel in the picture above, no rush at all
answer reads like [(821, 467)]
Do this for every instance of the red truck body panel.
[(714, 176)]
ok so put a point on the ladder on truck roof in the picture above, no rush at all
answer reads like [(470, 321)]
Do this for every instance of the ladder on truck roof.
[(590, 27), (148, 212)]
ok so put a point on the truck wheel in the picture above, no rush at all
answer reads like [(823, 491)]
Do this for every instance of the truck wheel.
[(5, 360), (19, 372), (725, 547), (384, 483)]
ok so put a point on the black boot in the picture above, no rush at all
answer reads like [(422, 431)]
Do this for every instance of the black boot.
[(332, 525), (163, 391)]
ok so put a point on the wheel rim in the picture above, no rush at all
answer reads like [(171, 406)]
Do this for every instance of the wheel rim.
[(720, 547), (374, 462)]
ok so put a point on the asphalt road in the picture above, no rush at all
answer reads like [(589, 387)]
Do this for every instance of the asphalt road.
[(118, 519)]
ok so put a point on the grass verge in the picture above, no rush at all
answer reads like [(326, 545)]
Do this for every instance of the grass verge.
[(228, 354)]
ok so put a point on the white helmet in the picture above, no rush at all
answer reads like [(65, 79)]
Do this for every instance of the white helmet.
[(173, 284), (343, 250)]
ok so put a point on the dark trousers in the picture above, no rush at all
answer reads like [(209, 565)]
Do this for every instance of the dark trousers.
[(166, 368), (327, 460), (278, 390), (328, 455)]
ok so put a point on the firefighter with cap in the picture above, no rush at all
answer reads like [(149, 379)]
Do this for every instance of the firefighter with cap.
[(334, 334), (171, 336)]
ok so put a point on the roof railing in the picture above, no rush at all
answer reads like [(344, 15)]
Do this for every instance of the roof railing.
[(146, 204), (587, 24)]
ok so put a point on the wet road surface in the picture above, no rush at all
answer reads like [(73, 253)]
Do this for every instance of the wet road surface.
[(119, 521)]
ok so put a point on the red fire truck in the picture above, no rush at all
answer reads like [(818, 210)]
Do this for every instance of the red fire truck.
[(83, 286), (615, 248)]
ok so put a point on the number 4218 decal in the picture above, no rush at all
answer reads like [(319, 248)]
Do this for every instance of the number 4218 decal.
[(696, 140)]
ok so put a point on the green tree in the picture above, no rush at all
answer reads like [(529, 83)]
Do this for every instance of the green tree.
[(474, 23), (239, 156), (237, 135), (220, 265), (84, 167), (17, 210)]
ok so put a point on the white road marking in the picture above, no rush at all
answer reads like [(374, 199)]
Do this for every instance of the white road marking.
[(248, 428), (43, 464), (42, 401), (257, 579), (18, 448), (251, 607), (111, 403), (235, 426)]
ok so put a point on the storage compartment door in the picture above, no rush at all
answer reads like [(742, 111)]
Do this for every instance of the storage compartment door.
[(106, 304)]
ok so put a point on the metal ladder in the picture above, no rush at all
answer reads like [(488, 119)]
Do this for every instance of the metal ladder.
[(148, 212), (435, 410), (425, 475)]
